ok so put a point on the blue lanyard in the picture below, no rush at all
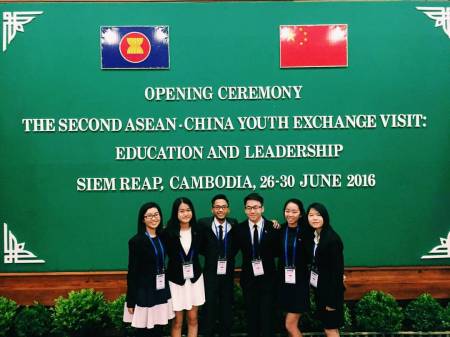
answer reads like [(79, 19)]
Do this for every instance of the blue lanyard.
[(225, 236), (190, 255), (260, 237), (160, 262), (286, 261)]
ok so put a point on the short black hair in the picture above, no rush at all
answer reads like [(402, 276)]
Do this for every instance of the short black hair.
[(217, 197), (254, 196)]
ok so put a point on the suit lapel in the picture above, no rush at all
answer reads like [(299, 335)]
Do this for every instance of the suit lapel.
[(247, 236), (180, 246), (146, 242), (265, 232), (322, 242), (211, 221)]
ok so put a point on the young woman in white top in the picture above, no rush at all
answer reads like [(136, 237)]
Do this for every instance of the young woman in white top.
[(183, 240)]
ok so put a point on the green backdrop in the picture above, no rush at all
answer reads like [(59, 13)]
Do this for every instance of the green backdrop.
[(399, 63)]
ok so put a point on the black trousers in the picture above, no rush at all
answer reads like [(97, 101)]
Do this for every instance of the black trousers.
[(259, 298), (218, 305)]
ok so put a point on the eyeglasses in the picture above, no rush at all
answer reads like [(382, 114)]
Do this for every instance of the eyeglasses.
[(252, 208), (220, 207), (151, 216)]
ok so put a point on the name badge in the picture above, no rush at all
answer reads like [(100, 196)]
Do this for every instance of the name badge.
[(289, 275), (160, 281), (188, 271), (221, 267), (257, 267), (314, 279)]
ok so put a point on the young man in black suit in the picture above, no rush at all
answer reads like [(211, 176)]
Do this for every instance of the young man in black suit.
[(257, 238), (219, 250)]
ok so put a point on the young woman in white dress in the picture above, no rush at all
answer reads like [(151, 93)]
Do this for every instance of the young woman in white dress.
[(183, 240)]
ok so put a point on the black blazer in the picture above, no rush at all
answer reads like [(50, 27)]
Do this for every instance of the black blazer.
[(329, 261), (268, 247), (301, 257), (174, 248), (210, 248), (142, 267)]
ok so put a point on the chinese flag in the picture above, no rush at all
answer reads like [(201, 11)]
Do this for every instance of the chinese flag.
[(313, 46)]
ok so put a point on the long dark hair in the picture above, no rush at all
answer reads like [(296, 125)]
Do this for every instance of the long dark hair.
[(323, 212), (302, 220), (140, 222), (173, 225)]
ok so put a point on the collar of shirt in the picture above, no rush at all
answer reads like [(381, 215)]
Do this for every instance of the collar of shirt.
[(316, 237), (215, 226)]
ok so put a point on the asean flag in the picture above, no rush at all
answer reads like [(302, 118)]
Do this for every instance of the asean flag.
[(313, 46), (134, 47)]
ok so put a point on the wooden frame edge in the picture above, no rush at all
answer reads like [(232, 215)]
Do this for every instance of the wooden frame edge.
[(402, 282)]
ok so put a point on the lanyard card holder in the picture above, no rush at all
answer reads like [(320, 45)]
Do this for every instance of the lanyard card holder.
[(188, 270), (221, 266), (289, 275), (160, 281), (257, 266)]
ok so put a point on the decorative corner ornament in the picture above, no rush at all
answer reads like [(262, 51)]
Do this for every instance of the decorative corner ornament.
[(439, 14), (13, 22), (15, 252), (441, 251)]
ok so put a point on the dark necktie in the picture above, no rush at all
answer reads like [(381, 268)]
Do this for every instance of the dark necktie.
[(220, 233), (255, 240), (221, 240)]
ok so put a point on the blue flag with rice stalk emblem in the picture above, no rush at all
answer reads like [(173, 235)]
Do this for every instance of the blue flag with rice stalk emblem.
[(134, 47)]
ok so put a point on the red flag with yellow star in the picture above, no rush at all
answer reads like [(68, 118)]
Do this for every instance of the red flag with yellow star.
[(313, 46)]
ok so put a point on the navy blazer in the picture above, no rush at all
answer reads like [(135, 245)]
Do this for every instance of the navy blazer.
[(268, 247), (175, 252), (142, 268), (211, 250), (301, 255), (329, 260)]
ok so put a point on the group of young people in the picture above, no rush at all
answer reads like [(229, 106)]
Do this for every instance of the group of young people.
[(309, 254)]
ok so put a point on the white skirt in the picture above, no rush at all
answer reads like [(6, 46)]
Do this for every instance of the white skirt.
[(149, 317), (188, 295)]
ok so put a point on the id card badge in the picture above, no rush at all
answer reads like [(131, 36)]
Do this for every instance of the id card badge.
[(160, 281), (314, 279), (289, 275), (221, 267), (188, 271), (257, 267)]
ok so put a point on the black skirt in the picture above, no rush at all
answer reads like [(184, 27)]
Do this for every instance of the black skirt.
[(331, 319), (148, 296), (294, 298)]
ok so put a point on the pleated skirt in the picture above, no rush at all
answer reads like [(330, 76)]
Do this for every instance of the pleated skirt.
[(144, 317), (188, 295)]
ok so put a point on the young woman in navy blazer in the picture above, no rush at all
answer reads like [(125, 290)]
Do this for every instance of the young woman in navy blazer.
[(183, 240), (148, 304), (293, 266), (327, 269)]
